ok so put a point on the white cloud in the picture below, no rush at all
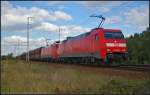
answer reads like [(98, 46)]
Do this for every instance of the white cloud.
[(104, 9), (73, 30), (61, 7), (102, 6), (14, 39), (139, 17), (113, 19), (17, 44), (62, 15), (4, 6), (57, 2), (15, 18), (66, 30), (48, 27)]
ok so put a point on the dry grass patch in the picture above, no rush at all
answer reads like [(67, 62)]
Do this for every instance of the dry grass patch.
[(19, 77)]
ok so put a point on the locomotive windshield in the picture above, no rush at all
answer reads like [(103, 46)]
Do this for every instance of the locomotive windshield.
[(114, 35)]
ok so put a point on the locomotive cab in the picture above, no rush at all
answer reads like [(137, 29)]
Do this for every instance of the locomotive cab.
[(116, 45)]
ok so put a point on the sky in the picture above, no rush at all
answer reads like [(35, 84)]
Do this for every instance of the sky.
[(71, 17)]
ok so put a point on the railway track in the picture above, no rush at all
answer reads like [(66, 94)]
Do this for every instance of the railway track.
[(143, 68)]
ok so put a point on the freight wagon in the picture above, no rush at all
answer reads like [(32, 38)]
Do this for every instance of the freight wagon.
[(50, 53)]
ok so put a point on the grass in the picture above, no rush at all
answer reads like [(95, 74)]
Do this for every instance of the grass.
[(19, 77)]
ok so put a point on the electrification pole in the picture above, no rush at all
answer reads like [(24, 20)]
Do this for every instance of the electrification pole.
[(15, 50), (18, 47), (60, 30), (59, 33), (28, 26)]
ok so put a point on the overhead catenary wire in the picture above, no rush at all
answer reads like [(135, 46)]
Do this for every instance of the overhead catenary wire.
[(97, 9), (88, 18)]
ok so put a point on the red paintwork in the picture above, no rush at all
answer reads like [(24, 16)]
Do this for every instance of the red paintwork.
[(54, 50), (116, 48), (50, 51), (116, 41), (81, 46), (88, 44)]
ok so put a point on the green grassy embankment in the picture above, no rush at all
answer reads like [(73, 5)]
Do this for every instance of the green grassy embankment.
[(19, 77)]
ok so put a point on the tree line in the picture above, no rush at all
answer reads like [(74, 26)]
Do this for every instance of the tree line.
[(138, 47)]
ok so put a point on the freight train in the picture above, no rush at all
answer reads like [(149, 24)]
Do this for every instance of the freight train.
[(100, 45)]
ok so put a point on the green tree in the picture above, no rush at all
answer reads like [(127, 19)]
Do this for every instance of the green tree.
[(10, 56), (138, 47)]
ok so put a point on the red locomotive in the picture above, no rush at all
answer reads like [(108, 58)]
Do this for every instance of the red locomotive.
[(98, 45)]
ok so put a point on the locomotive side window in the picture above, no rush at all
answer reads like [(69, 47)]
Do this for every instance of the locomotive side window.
[(96, 37)]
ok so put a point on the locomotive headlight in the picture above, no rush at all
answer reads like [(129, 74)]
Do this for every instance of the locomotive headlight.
[(122, 45), (110, 44)]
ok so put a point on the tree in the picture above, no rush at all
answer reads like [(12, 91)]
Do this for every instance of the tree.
[(138, 47), (10, 56)]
